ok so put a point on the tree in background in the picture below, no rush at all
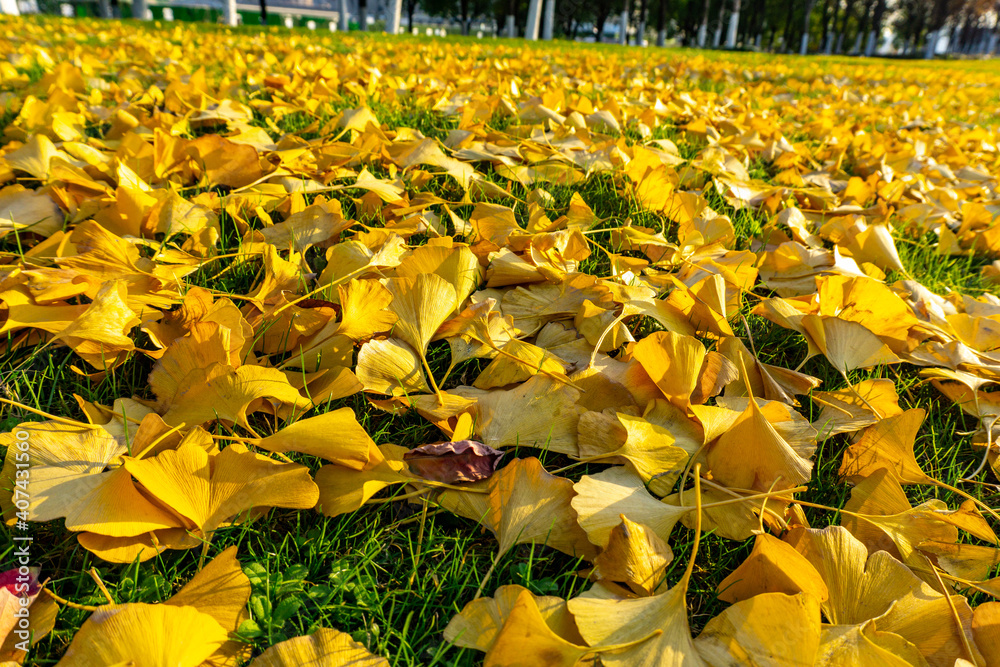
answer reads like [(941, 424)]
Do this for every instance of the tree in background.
[(807, 17), (910, 22), (602, 10), (571, 15), (462, 10), (661, 22), (818, 26), (411, 9)]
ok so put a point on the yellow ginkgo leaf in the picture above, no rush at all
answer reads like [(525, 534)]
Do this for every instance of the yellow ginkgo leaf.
[(773, 383), (517, 361), (648, 448), (421, 304), (879, 514), (35, 157), (99, 334), (477, 332), (108, 504), (704, 305), (986, 630), (139, 633), (225, 162), (325, 646), (343, 489), (846, 344), (871, 304), (861, 587), (524, 504), (454, 262), (879, 587), (634, 556), (864, 646), (28, 212), (847, 410), (656, 626), (365, 309), (205, 343), (219, 391), (602, 499), (888, 444), (971, 562), (537, 413), (335, 436), (752, 454), (209, 490), (67, 480), (390, 366), (536, 305), (481, 620), (140, 547), (674, 363), (729, 514), (23, 312), (602, 327), (716, 373), (220, 590), (526, 640), (754, 632), (772, 567)]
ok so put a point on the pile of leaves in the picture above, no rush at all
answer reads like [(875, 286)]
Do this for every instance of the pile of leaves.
[(410, 224)]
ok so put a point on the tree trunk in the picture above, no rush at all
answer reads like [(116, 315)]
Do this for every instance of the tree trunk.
[(395, 16), (661, 23), (263, 12), (623, 28), (411, 8), (824, 43), (844, 18), (734, 25), (804, 47), (876, 32), (992, 45), (548, 25), (717, 35), (786, 39), (917, 32), (363, 15), (345, 24), (463, 8), (863, 27), (229, 10), (703, 28), (534, 20), (641, 33)]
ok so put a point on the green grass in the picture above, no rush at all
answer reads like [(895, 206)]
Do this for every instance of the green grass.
[(390, 574)]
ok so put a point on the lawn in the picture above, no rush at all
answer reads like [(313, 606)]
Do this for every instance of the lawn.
[(209, 236)]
